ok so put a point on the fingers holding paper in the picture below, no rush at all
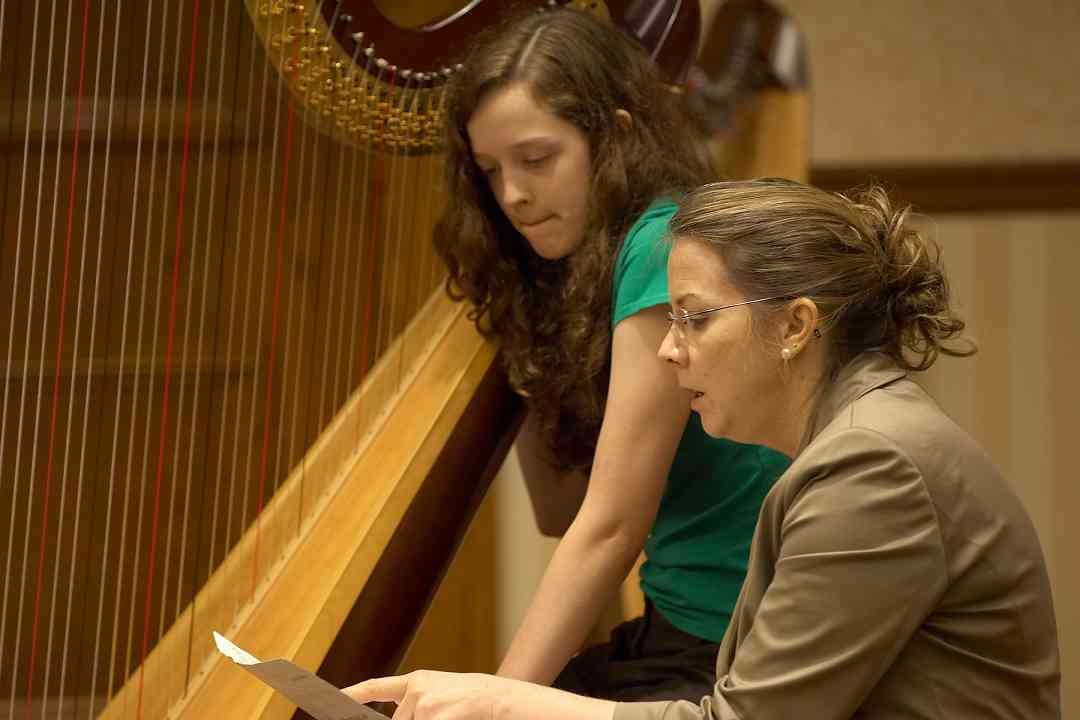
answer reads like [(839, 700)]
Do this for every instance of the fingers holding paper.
[(429, 695)]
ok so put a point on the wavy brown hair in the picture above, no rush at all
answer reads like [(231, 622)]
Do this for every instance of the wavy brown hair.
[(878, 282), (552, 319)]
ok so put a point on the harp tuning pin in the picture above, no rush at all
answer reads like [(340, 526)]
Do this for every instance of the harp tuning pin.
[(346, 19), (357, 37)]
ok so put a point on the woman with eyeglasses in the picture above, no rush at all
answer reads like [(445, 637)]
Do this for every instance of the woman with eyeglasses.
[(564, 152), (893, 573)]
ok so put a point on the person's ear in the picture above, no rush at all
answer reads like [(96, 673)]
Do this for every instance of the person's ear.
[(798, 326), (623, 119)]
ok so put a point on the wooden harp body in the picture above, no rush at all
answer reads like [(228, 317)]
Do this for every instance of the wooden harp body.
[(235, 395)]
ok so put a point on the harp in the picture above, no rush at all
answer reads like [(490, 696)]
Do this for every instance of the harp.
[(750, 91), (235, 396)]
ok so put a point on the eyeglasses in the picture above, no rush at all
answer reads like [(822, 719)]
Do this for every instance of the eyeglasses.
[(682, 322)]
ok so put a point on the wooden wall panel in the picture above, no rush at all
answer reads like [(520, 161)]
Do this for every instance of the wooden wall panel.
[(1014, 279)]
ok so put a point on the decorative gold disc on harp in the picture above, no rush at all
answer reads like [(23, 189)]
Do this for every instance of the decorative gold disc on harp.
[(235, 397), (360, 99)]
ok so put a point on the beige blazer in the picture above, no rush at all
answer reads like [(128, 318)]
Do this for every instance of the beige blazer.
[(893, 574)]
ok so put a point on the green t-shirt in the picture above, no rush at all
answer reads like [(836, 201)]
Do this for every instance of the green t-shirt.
[(697, 552)]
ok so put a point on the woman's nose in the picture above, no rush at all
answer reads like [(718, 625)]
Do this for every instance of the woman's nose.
[(514, 192), (669, 348)]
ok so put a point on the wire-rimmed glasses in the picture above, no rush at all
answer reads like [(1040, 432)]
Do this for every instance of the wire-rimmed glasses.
[(682, 321)]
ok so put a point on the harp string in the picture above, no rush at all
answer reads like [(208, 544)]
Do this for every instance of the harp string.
[(312, 485), (180, 428), (260, 314), (313, 185), (94, 312), (277, 536), (366, 267), (79, 479), (19, 244), (224, 391), (150, 362), (358, 326), (335, 241), (336, 297), (41, 371), (200, 332), (380, 323), (283, 206), (354, 238), (251, 415), (184, 365), (55, 403), (101, 244), (229, 603), (400, 150), (437, 187), (123, 356), (424, 173), (243, 593), (415, 163), (177, 255)]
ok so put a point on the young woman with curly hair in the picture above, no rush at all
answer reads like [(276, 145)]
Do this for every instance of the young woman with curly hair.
[(566, 153)]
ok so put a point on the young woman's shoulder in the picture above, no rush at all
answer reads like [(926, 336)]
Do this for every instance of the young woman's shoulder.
[(651, 226), (639, 279)]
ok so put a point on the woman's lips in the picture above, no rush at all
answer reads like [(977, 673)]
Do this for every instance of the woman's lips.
[(534, 224)]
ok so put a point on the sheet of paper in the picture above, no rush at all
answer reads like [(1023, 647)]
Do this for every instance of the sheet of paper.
[(310, 692)]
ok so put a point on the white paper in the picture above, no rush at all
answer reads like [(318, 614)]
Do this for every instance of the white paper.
[(310, 692)]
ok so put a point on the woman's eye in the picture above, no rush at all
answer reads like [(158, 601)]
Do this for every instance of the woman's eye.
[(537, 161), (695, 323)]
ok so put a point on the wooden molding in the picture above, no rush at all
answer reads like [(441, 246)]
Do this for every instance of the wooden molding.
[(973, 188)]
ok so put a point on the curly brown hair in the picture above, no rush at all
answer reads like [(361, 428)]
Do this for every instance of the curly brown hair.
[(552, 318), (878, 282)]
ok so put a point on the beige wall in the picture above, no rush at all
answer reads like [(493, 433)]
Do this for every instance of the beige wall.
[(521, 553), (1014, 281), (930, 81)]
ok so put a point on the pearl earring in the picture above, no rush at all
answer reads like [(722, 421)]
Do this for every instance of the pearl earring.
[(786, 353)]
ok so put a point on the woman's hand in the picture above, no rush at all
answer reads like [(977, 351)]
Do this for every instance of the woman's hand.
[(430, 695)]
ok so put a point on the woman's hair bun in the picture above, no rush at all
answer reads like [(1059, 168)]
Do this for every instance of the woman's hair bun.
[(913, 305)]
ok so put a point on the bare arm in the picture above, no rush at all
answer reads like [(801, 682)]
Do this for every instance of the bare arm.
[(644, 420), (556, 495)]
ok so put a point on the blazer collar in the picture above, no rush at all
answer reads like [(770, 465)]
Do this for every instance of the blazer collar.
[(862, 374)]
